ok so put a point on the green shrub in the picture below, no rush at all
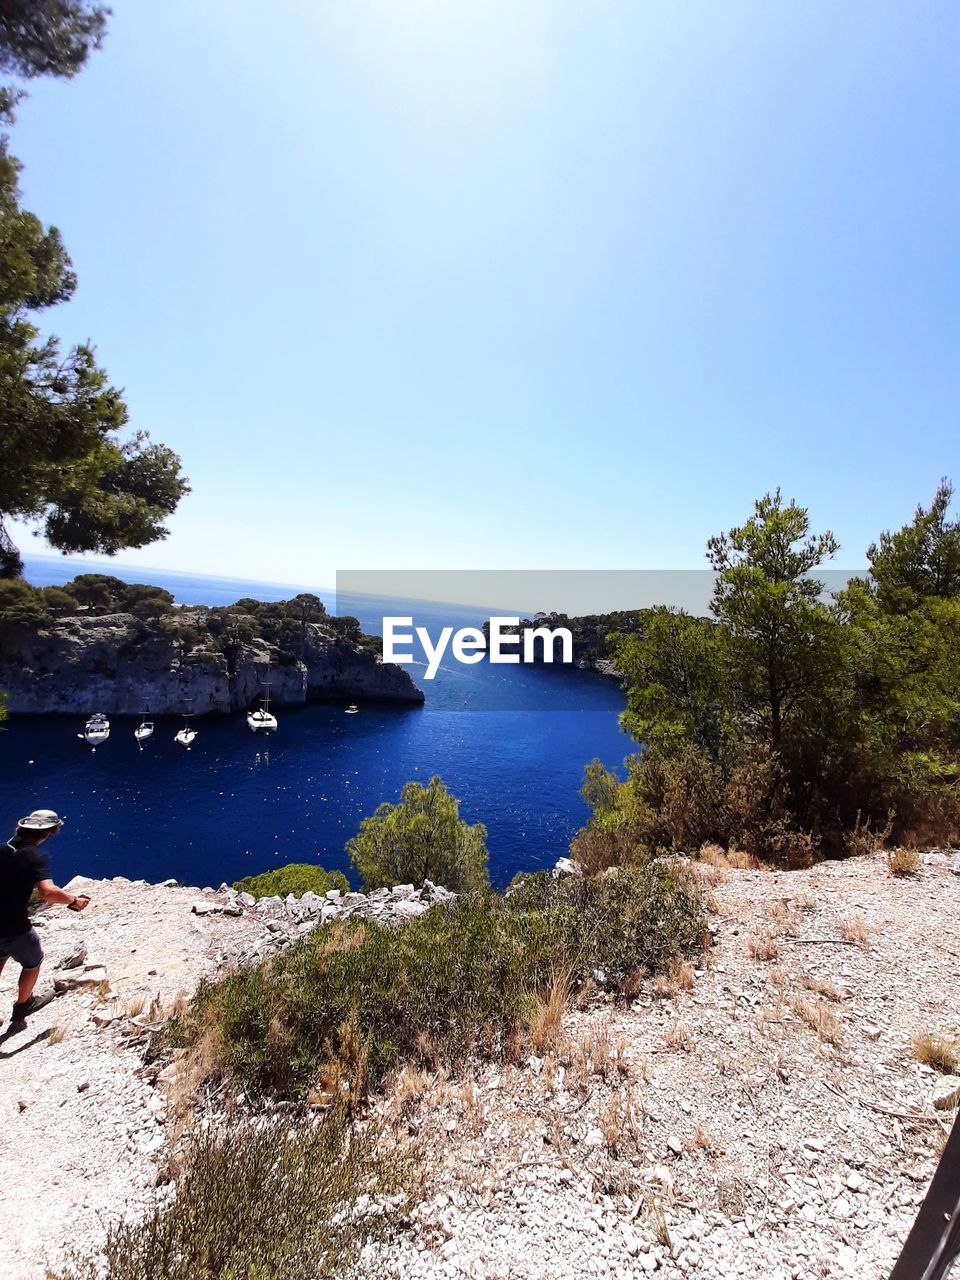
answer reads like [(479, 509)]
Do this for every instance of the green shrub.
[(255, 1203), (354, 999), (423, 837), (297, 878), (680, 800)]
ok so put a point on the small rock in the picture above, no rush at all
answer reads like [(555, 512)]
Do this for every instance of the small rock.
[(409, 909), (89, 975), (566, 867), (75, 959)]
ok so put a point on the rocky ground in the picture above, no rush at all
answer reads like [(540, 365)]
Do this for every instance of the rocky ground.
[(760, 1116)]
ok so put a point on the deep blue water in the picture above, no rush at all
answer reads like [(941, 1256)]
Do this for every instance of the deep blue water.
[(509, 742)]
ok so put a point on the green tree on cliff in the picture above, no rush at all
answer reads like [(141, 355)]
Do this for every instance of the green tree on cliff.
[(779, 640), (64, 457), (421, 838)]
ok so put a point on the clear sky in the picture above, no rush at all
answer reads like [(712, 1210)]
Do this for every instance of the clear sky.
[(533, 283)]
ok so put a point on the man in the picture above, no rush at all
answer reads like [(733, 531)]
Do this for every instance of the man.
[(24, 866)]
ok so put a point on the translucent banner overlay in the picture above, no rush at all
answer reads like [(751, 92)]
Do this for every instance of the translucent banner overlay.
[(438, 621)]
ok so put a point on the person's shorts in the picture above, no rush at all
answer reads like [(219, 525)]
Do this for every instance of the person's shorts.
[(25, 948)]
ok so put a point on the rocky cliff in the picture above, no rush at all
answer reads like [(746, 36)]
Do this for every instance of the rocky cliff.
[(121, 664)]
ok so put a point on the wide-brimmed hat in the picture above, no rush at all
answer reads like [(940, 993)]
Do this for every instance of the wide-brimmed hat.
[(41, 820)]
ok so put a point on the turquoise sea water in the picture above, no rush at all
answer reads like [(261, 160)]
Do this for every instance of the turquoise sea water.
[(509, 742)]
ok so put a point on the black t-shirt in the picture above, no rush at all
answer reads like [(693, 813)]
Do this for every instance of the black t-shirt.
[(22, 867)]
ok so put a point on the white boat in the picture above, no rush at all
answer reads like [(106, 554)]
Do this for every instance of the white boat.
[(96, 730), (186, 735), (352, 709), (262, 719), (143, 730)]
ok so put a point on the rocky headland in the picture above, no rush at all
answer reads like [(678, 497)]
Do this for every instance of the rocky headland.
[(191, 659)]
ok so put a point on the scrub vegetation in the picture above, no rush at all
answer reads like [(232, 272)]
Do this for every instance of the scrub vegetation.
[(331, 1016), (297, 1199), (297, 878)]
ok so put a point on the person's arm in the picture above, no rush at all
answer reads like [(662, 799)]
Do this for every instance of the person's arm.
[(50, 892)]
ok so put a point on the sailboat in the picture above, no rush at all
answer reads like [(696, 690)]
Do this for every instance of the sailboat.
[(186, 735), (143, 730), (96, 730), (262, 720)]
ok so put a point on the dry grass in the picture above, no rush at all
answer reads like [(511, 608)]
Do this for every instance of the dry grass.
[(617, 1121), (903, 862), (408, 1088), (855, 929), (733, 1196), (133, 1006), (862, 839), (657, 1220), (805, 902), (704, 1139), (711, 865), (545, 1016), (182, 1080), (819, 1018), (822, 986), (942, 1052), (593, 1055), (785, 920), (682, 974), (58, 1034), (677, 1038), (740, 860), (679, 977), (632, 984), (712, 855), (762, 945), (712, 876)]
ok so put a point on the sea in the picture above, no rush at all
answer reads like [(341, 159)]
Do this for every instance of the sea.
[(510, 742)]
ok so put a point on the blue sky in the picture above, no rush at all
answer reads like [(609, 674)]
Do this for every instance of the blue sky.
[(441, 283)]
